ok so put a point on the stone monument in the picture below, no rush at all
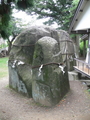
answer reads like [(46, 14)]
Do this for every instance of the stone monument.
[(37, 64)]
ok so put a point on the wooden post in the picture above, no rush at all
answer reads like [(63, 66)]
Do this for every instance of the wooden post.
[(84, 49), (66, 61), (89, 49), (77, 46)]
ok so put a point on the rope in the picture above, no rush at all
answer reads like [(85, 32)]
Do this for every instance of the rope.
[(66, 41), (47, 64), (33, 67), (34, 44), (24, 45)]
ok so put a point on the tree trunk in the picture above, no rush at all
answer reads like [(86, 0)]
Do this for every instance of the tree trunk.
[(9, 46), (10, 43)]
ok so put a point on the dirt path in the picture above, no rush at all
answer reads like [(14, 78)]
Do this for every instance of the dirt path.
[(14, 106)]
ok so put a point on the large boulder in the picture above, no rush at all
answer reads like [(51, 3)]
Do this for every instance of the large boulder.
[(66, 48), (21, 56), (49, 83), (24, 51)]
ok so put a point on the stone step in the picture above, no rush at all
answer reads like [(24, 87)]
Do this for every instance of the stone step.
[(87, 82), (72, 75)]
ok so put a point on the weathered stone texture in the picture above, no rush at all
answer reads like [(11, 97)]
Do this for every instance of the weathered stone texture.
[(36, 46), (49, 85)]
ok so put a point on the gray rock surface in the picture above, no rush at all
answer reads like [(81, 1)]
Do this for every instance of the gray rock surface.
[(49, 84), (26, 53)]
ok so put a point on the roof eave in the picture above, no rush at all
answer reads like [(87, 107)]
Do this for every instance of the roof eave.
[(78, 10), (87, 31)]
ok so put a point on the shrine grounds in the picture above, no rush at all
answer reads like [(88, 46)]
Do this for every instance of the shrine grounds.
[(14, 106)]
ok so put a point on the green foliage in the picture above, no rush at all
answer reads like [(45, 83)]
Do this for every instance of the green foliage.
[(3, 67), (81, 45), (24, 4), (88, 90), (3, 45), (73, 8), (14, 27), (75, 2), (6, 7), (59, 11), (87, 44)]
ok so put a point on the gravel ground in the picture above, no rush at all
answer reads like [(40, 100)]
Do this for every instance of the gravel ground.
[(74, 106)]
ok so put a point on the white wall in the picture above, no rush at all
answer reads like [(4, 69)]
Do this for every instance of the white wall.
[(84, 18)]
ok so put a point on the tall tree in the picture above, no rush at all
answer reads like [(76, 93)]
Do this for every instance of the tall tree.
[(14, 28), (6, 7), (59, 11)]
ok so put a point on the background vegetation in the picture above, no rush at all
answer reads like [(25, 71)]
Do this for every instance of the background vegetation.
[(8, 26), (57, 11), (81, 47), (3, 67)]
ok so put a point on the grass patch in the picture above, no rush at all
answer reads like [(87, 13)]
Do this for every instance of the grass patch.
[(3, 67)]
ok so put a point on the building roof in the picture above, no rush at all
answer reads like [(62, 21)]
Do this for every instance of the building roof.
[(81, 16)]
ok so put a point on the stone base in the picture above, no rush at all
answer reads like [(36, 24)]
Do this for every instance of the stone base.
[(72, 75)]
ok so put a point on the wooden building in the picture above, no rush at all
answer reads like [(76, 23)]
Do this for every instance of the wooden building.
[(81, 25)]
